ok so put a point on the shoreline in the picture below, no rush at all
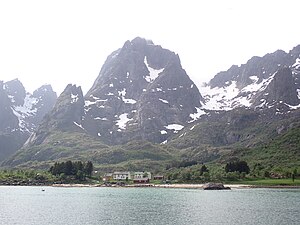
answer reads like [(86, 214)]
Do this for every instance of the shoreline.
[(179, 186), (172, 186)]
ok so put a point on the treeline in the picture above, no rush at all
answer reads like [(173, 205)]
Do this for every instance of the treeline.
[(237, 166), (77, 169), (190, 171)]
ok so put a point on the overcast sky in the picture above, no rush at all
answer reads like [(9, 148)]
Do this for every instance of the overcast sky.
[(59, 42)]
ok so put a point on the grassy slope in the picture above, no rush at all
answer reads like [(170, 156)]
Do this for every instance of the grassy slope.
[(245, 137), (270, 182), (254, 138), (61, 146), (283, 151)]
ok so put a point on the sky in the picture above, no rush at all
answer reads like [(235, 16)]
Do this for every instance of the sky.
[(59, 42)]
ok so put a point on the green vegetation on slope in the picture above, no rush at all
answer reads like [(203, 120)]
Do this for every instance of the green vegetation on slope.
[(281, 153), (64, 146)]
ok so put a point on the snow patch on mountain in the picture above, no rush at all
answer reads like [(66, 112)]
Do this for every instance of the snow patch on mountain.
[(95, 101), (296, 65), (26, 110), (100, 118), (293, 106), (163, 132), (12, 98), (78, 125), (153, 73), (175, 127), (126, 100), (163, 101), (197, 115), (230, 96), (74, 98), (123, 120), (219, 98)]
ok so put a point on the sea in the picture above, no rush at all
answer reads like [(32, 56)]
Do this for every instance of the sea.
[(130, 206)]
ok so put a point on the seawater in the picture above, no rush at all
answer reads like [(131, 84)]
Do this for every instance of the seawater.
[(116, 206)]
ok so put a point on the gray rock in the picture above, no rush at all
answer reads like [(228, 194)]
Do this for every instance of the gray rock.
[(215, 186)]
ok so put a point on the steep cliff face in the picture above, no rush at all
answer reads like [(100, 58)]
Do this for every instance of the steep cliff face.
[(8, 121), (272, 79), (282, 90), (66, 116), (142, 92), (144, 108), (20, 113)]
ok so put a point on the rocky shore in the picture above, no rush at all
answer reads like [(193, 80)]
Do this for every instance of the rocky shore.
[(24, 183)]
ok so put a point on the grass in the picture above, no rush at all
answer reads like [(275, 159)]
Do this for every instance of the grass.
[(269, 182)]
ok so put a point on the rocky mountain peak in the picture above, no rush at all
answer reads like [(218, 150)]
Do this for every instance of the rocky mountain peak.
[(68, 110), (281, 89), (8, 121), (21, 113), (273, 78), (15, 91), (141, 89)]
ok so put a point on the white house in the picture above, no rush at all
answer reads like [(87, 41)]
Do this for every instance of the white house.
[(139, 175), (121, 176)]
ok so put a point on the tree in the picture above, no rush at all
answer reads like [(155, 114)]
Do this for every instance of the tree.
[(237, 166), (203, 169), (88, 168), (78, 165), (80, 175), (69, 168)]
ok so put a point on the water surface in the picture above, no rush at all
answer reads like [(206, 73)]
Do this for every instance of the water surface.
[(56, 205)]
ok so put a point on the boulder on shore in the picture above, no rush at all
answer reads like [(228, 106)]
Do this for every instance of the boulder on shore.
[(215, 186)]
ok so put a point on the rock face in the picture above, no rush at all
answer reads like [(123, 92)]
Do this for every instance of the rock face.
[(20, 113), (263, 82), (66, 115), (142, 92), (281, 89), (215, 186)]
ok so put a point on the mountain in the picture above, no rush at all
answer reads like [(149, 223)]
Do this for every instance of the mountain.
[(142, 92), (247, 108), (271, 81), (143, 111), (20, 113)]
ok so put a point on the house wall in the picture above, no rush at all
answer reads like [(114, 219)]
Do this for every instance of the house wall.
[(121, 176), (138, 175)]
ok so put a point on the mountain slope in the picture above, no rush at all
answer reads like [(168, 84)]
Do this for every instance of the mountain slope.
[(20, 113), (262, 82), (142, 92), (143, 111)]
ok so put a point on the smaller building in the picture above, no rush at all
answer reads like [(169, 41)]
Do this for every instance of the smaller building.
[(107, 177), (142, 180), (121, 176), (158, 177)]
